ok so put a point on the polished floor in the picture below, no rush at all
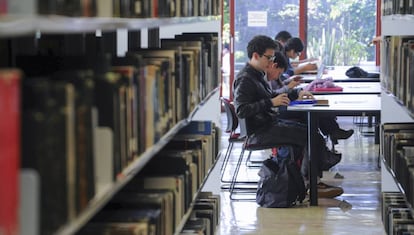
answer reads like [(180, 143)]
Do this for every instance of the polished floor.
[(361, 183)]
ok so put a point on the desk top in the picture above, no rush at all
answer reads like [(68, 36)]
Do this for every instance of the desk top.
[(338, 74), (352, 88), (344, 104)]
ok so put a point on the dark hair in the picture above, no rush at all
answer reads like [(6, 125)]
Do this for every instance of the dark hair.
[(279, 46), (280, 60), (260, 44), (283, 36), (294, 44)]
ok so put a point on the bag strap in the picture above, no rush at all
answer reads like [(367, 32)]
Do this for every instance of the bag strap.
[(298, 181)]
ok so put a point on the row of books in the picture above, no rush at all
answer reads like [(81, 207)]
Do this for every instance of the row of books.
[(398, 68), (397, 215), (86, 118), (392, 7), (114, 8), (167, 188), (398, 153)]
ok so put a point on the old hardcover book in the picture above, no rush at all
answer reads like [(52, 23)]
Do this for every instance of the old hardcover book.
[(150, 216), (192, 68), (48, 139), (170, 182), (83, 81), (103, 158), (123, 228), (133, 67), (10, 87), (197, 226), (148, 199), (175, 163), (129, 67), (108, 102), (166, 60)]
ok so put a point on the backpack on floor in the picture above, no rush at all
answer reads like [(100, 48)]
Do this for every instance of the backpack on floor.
[(281, 184)]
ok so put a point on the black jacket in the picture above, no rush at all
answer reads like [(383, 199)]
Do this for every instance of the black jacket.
[(252, 99)]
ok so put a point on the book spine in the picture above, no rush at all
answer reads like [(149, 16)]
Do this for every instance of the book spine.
[(9, 149)]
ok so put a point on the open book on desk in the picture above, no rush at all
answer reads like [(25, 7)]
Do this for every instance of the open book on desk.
[(315, 102)]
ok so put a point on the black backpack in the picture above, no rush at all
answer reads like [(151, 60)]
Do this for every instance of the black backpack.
[(281, 184)]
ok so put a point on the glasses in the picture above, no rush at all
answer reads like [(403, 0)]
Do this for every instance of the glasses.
[(298, 53), (269, 57)]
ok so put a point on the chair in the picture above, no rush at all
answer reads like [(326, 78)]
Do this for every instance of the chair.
[(246, 147), (234, 136)]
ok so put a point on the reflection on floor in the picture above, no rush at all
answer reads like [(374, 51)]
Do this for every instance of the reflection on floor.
[(361, 184)]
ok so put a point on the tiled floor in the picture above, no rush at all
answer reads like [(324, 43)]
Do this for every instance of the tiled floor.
[(361, 184)]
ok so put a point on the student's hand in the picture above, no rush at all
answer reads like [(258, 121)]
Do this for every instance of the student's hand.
[(281, 100), (309, 66), (294, 81), (305, 95)]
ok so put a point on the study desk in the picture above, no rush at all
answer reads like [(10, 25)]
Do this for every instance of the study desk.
[(351, 88), (340, 105), (338, 74)]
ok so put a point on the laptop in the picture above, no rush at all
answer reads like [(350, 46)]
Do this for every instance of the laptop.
[(321, 68)]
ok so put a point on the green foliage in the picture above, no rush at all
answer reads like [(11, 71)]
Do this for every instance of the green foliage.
[(338, 30)]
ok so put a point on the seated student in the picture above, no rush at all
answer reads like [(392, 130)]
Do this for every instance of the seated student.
[(255, 102), (328, 124), (282, 37), (293, 48)]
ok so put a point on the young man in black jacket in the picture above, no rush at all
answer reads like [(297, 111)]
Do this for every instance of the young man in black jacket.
[(256, 103)]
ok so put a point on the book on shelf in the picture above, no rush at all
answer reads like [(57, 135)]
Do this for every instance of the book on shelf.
[(48, 139), (132, 67), (151, 217), (67, 8), (193, 80), (103, 158), (198, 226), (207, 196), (110, 103), (175, 163), (169, 93), (83, 81), (124, 228), (175, 183), (10, 127), (148, 199), (130, 93)]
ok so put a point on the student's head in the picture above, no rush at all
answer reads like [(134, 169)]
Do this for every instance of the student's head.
[(260, 51), (283, 36), (294, 47), (280, 46), (278, 66)]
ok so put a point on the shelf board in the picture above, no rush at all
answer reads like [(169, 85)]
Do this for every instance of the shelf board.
[(17, 25), (393, 25), (127, 174), (101, 199)]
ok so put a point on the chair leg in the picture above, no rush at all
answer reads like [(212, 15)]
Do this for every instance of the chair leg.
[(234, 180), (236, 172)]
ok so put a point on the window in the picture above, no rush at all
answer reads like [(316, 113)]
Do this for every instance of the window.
[(340, 31)]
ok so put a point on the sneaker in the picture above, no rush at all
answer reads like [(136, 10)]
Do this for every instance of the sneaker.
[(328, 191), (341, 134)]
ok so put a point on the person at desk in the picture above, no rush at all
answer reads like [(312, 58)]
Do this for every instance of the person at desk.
[(254, 101), (293, 48), (328, 125), (282, 37)]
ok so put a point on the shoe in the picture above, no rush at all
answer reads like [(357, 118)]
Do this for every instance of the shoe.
[(341, 134), (328, 191)]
